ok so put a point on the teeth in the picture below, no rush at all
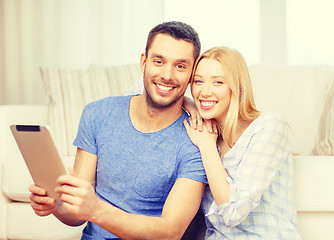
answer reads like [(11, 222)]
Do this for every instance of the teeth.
[(164, 88), (208, 103)]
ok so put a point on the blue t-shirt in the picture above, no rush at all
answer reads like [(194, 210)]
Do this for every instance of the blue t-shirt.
[(135, 171)]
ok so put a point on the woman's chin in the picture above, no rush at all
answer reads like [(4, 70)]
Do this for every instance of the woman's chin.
[(206, 116)]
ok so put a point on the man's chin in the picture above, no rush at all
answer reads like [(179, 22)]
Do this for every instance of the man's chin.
[(162, 103)]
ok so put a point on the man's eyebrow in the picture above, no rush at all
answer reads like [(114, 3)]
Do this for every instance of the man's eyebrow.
[(155, 55), (186, 61), (182, 60)]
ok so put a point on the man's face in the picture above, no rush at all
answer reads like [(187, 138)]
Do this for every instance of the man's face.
[(167, 69)]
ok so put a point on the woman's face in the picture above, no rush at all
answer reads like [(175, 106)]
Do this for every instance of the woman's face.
[(210, 92)]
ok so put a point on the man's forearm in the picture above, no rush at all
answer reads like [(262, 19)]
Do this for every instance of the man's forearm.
[(131, 226), (66, 217)]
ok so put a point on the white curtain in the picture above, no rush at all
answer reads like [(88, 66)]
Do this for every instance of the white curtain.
[(67, 34)]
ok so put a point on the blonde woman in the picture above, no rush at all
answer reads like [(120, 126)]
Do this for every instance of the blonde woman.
[(248, 162)]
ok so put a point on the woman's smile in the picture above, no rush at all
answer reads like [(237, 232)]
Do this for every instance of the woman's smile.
[(207, 104)]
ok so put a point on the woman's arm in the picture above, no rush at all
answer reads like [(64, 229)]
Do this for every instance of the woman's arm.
[(267, 150), (215, 171), (195, 119)]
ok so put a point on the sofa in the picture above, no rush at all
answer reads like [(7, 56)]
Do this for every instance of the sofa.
[(301, 94)]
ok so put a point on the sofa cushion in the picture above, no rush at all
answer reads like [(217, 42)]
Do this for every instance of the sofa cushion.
[(23, 223), (15, 186), (325, 141), (16, 178), (313, 176), (295, 92), (70, 90)]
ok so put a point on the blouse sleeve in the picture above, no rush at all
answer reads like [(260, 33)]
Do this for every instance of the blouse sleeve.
[(268, 148)]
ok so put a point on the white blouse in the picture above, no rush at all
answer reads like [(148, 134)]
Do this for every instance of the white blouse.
[(260, 170)]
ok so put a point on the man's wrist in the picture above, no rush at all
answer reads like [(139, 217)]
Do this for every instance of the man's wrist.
[(100, 212)]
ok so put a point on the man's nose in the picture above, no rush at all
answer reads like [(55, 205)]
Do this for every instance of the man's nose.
[(167, 73)]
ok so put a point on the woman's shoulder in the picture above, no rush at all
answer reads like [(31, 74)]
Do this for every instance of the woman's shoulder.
[(271, 116), (271, 121)]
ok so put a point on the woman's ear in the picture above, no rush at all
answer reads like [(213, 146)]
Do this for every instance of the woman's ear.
[(142, 62)]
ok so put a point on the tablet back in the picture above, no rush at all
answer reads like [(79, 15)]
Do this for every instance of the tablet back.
[(40, 155)]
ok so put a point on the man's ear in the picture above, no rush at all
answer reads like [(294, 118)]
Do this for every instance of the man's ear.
[(142, 62)]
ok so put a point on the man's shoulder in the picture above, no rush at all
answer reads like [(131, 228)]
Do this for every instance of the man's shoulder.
[(109, 100), (101, 108), (184, 116), (104, 103), (184, 140)]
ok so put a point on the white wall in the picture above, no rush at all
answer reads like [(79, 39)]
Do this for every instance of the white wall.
[(221, 23), (267, 31), (310, 31)]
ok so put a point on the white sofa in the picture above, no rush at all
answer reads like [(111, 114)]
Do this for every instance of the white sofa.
[(296, 92)]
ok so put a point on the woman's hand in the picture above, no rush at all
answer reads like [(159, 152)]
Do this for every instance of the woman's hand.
[(201, 138), (195, 119)]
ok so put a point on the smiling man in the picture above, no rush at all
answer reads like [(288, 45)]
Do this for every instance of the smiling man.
[(137, 175), (167, 67)]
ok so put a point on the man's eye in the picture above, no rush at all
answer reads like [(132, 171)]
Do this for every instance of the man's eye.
[(158, 62), (181, 66)]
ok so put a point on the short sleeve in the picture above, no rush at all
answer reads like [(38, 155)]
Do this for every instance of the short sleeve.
[(190, 164), (89, 125)]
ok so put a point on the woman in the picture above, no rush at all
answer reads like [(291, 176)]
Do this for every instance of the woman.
[(248, 163)]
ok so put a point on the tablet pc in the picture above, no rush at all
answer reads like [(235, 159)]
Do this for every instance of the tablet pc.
[(40, 155)]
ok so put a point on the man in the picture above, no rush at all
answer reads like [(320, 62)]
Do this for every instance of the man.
[(136, 173)]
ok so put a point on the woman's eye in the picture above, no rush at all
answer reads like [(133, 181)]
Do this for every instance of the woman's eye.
[(198, 81), (219, 82)]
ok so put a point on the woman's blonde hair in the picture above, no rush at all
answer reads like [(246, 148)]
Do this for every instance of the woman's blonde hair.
[(242, 104)]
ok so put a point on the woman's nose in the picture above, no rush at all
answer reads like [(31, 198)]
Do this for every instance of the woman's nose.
[(206, 90)]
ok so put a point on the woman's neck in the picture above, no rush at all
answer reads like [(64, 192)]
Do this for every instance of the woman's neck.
[(240, 128)]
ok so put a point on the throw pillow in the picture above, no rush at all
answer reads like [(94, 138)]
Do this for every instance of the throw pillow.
[(70, 90), (325, 142)]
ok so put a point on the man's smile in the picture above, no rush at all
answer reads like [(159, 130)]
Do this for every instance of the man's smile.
[(163, 88)]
